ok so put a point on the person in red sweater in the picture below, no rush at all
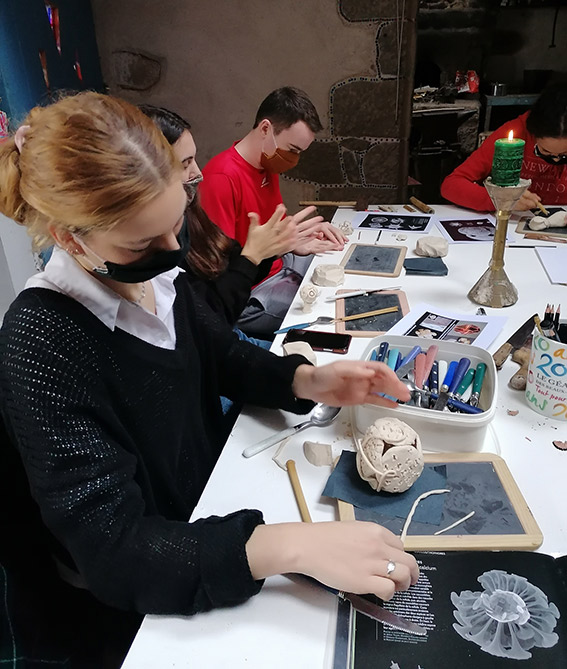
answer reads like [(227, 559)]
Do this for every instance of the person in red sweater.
[(544, 129), (245, 178)]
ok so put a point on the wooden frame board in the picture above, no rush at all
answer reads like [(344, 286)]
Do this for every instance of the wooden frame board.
[(370, 256), (373, 325), (529, 540)]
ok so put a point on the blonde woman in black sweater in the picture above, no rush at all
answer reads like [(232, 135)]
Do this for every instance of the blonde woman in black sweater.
[(110, 372)]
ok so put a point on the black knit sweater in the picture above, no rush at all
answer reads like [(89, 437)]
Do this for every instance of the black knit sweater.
[(229, 293), (118, 438)]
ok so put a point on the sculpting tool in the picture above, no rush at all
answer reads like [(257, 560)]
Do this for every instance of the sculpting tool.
[(477, 384), (419, 375), (433, 380), (458, 405), (430, 356), (356, 293), (382, 351), (393, 358), (408, 362), (465, 383), (406, 206), (542, 209), (441, 402), (398, 361), (327, 320)]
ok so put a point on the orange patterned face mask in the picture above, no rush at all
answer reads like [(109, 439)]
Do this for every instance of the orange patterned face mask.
[(280, 161)]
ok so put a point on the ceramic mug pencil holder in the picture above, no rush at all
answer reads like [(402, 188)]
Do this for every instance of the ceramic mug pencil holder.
[(546, 386)]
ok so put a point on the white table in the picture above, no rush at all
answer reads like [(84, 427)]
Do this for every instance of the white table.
[(293, 625)]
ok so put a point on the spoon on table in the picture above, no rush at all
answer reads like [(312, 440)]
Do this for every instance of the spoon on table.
[(321, 416), (329, 319)]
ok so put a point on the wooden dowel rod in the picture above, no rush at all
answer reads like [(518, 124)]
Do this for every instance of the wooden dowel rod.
[(297, 491), (367, 314), (327, 203), (425, 208)]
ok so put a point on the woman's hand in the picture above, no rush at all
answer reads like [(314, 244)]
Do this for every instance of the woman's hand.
[(528, 200), (276, 237), (350, 556), (349, 382)]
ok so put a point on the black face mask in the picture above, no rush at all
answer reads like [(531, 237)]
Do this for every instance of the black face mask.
[(552, 160), (148, 268)]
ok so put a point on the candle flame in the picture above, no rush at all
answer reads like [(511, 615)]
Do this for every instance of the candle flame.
[(510, 135)]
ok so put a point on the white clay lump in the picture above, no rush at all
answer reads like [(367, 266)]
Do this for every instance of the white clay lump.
[(389, 456), (556, 220), (432, 247), (328, 275)]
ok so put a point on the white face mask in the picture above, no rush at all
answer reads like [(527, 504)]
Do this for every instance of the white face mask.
[(191, 187)]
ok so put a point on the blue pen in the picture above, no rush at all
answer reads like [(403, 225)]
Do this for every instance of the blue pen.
[(382, 351)]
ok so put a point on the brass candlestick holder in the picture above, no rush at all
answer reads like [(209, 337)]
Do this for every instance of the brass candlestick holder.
[(494, 288)]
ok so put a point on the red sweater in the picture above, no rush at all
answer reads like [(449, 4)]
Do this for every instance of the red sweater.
[(232, 188), (463, 185)]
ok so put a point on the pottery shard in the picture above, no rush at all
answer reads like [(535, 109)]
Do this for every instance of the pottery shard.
[(433, 247), (318, 454), (328, 275), (301, 348)]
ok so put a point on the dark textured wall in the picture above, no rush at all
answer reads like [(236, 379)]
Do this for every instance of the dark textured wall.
[(213, 62), (366, 156)]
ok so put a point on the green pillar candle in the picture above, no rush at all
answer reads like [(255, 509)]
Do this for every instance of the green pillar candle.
[(507, 161)]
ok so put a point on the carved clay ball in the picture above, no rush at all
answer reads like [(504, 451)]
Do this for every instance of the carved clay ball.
[(390, 457), (346, 228), (308, 293), (432, 247), (328, 275), (557, 220)]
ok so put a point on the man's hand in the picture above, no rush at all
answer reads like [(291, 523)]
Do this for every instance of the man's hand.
[(528, 200)]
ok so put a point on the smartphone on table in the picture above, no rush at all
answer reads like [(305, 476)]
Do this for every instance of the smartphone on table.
[(330, 342)]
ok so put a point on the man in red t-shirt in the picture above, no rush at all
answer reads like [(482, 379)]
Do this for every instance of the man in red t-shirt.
[(544, 129), (245, 178)]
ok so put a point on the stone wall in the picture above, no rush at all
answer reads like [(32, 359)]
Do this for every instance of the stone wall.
[(365, 157), (214, 61)]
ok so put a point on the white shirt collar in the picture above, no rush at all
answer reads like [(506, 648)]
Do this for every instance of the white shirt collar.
[(63, 274)]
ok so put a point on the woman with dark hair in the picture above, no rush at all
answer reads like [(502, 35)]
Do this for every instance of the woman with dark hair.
[(544, 129), (218, 267)]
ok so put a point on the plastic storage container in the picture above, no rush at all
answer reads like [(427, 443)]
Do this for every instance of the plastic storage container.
[(440, 431)]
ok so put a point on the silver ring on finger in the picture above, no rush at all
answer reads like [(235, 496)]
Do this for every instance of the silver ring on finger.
[(390, 567)]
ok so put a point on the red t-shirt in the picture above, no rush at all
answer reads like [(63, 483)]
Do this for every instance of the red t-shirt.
[(464, 185), (232, 188)]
